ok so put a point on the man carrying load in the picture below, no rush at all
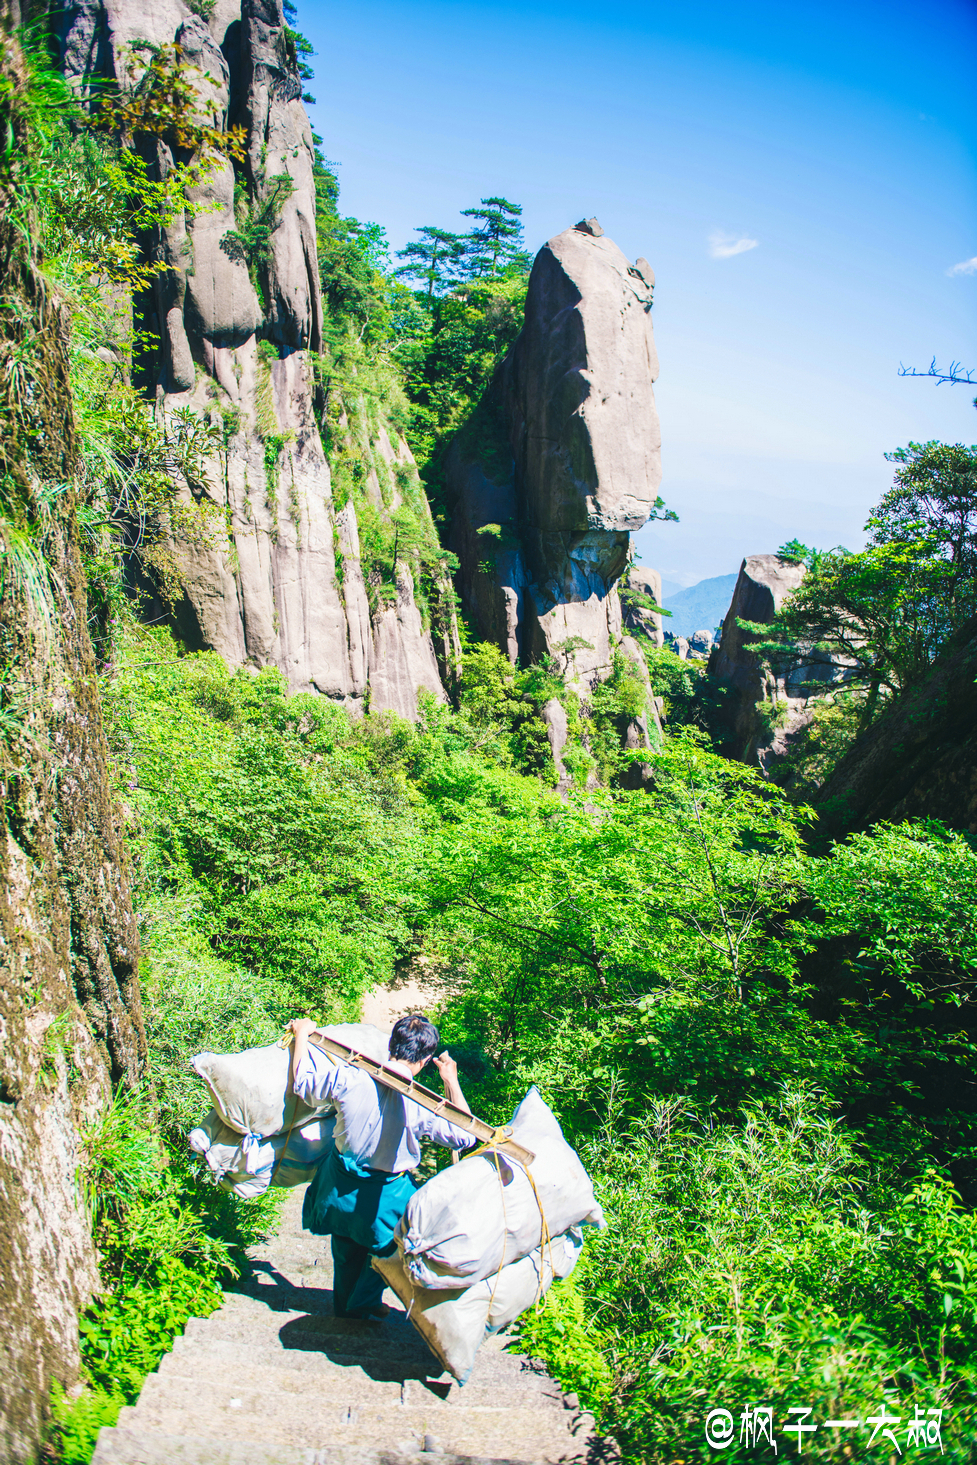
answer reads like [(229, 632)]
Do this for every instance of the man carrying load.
[(363, 1184)]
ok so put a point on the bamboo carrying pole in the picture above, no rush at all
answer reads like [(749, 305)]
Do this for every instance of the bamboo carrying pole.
[(497, 1138)]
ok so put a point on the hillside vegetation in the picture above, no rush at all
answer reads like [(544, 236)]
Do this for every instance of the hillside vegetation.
[(766, 1058)]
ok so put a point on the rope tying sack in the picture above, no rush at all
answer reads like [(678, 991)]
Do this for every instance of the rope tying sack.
[(545, 1240)]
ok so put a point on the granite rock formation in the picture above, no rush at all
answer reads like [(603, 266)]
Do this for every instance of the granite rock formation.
[(761, 705), (70, 1017), (638, 619), (919, 761), (700, 645), (283, 584), (561, 462)]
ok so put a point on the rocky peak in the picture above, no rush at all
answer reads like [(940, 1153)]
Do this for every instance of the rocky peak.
[(562, 460), (763, 704)]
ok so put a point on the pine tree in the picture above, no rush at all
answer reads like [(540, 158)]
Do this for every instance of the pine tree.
[(497, 244), (434, 257)]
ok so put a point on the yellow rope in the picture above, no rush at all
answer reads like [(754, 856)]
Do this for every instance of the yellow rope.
[(500, 1134), (545, 1240)]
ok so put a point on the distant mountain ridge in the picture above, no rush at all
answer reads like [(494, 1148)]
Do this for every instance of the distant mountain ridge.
[(698, 607)]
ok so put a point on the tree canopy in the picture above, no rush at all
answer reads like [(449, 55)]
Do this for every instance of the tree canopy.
[(882, 615)]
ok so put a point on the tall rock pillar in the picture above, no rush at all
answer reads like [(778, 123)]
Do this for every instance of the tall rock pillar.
[(562, 460)]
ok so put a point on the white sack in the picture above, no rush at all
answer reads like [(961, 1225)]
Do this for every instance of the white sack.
[(247, 1169), (482, 1214), (454, 1323), (252, 1090), (246, 1184)]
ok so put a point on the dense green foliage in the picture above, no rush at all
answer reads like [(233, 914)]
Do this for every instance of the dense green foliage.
[(750, 1046), (763, 1263), (767, 1059)]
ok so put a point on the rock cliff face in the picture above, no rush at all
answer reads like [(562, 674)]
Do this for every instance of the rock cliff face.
[(282, 584), (919, 761), (639, 620), (561, 462), (760, 706), (70, 1023)]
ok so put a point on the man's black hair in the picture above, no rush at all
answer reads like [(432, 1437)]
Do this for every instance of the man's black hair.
[(414, 1039)]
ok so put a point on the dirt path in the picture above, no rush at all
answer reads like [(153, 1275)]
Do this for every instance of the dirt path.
[(386, 1004)]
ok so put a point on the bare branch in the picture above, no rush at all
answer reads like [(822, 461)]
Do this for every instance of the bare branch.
[(956, 373)]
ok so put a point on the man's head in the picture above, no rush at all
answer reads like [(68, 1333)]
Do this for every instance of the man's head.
[(414, 1039)]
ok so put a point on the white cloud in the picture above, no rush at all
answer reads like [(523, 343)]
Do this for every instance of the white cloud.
[(724, 246), (965, 267)]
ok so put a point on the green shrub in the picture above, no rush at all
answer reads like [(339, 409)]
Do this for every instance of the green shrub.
[(75, 1422), (763, 1263)]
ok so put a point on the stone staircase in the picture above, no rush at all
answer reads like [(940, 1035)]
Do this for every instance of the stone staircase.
[(272, 1378)]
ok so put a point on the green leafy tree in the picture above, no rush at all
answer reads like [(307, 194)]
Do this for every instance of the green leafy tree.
[(882, 616), (934, 499)]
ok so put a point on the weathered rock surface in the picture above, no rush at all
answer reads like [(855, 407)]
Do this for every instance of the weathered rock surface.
[(920, 758), (282, 584), (70, 1022), (751, 687), (562, 461), (700, 645), (639, 620)]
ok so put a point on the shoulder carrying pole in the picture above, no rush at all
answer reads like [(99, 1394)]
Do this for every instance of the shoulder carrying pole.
[(494, 1138)]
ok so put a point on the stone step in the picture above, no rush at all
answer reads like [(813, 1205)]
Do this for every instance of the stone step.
[(244, 1309), (301, 1330), (314, 1389), (492, 1372), (522, 1434), (123, 1446), (127, 1446), (344, 1387), (242, 1304)]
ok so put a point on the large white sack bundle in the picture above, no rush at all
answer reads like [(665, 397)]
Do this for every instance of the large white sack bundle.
[(219, 1145), (248, 1169), (484, 1213), (454, 1323), (252, 1090)]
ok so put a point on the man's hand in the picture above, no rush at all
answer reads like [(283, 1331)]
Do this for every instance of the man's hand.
[(302, 1026), (448, 1069)]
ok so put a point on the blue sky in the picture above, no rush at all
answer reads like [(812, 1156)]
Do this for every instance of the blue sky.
[(839, 138)]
